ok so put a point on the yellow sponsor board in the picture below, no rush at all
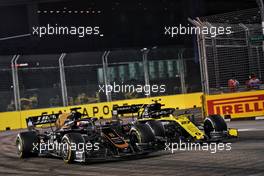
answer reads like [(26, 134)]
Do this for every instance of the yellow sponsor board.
[(17, 120), (236, 105)]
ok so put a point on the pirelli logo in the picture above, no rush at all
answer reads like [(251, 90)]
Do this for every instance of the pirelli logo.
[(236, 105)]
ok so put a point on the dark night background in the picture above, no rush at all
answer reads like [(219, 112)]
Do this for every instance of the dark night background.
[(125, 24)]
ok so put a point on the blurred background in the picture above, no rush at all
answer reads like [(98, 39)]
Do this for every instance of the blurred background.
[(58, 71)]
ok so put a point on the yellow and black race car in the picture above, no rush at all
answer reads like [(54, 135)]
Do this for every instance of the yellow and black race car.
[(170, 127)]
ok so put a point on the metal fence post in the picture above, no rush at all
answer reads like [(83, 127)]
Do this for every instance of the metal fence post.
[(258, 51), (145, 52), (15, 82), (63, 80), (181, 68), (204, 63), (202, 56), (106, 77), (215, 56), (249, 47), (261, 8), (200, 62)]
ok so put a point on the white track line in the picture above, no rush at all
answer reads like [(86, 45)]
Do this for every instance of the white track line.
[(14, 37), (250, 129)]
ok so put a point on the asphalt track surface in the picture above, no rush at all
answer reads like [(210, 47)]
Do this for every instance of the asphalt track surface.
[(245, 158)]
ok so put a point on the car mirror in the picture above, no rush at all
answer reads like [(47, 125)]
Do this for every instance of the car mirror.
[(30, 124)]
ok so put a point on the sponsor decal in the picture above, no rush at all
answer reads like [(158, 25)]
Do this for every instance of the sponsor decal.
[(236, 105)]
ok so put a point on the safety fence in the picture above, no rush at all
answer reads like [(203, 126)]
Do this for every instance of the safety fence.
[(67, 79), (234, 52)]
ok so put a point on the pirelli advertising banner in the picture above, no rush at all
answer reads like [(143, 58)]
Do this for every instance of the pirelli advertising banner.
[(236, 105)]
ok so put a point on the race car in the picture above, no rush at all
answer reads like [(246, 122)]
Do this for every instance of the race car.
[(74, 137), (168, 126)]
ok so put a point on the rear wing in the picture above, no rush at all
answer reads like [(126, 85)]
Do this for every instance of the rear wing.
[(129, 109), (46, 118), (42, 119)]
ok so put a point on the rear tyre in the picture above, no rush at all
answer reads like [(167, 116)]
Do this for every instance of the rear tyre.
[(25, 143), (68, 154), (157, 128), (214, 123)]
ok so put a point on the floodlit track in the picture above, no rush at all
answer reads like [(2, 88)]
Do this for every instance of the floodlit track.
[(245, 158)]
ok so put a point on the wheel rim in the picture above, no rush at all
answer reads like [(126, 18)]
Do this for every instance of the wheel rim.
[(65, 150), (19, 147), (134, 138), (135, 141), (208, 127)]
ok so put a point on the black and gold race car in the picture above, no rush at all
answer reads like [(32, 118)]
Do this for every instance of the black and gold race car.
[(73, 137)]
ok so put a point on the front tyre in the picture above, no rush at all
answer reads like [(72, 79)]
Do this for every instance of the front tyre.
[(140, 135), (214, 123), (68, 152)]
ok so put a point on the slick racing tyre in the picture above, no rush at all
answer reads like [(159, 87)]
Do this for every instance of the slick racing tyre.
[(214, 123), (157, 128), (25, 143), (141, 134), (68, 151)]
